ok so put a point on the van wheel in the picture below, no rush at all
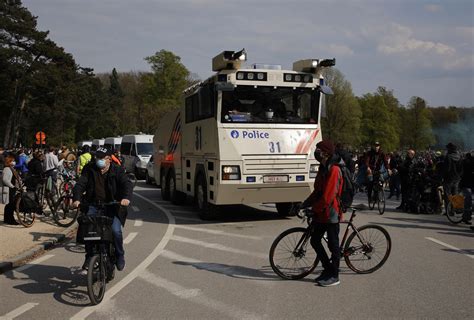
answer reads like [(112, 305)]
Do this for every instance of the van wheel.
[(147, 178), (165, 188), (283, 209), (207, 211), (176, 196)]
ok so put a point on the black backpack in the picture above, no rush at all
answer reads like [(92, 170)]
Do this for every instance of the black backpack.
[(348, 188)]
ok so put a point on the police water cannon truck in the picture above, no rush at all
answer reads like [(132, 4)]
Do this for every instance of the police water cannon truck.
[(243, 136)]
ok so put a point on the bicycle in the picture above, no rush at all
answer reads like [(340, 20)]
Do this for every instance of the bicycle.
[(64, 214), (378, 193), (365, 250), (26, 207), (97, 230), (455, 208)]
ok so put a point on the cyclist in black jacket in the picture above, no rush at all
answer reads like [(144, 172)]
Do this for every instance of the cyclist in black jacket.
[(103, 181)]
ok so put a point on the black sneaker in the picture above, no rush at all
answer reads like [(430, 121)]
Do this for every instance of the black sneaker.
[(120, 263), (324, 275), (468, 222), (330, 282), (85, 266)]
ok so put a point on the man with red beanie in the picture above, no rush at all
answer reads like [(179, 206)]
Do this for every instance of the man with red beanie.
[(324, 201)]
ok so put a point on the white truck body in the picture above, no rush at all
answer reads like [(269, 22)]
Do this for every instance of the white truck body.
[(113, 143), (243, 136), (136, 150)]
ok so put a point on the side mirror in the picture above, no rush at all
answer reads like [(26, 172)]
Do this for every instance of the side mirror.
[(326, 90)]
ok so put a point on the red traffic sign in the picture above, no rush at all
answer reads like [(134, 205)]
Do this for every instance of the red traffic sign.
[(40, 135)]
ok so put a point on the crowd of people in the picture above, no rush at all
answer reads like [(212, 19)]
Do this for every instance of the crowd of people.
[(423, 181)]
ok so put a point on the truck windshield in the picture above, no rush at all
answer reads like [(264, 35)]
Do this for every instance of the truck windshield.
[(270, 105), (145, 149)]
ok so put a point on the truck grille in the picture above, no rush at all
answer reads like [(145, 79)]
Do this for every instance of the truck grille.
[(271, 164)]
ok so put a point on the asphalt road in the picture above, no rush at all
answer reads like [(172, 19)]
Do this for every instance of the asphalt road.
[(179, 267)]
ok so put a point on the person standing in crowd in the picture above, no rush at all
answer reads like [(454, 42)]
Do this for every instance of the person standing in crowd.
[(405, 171), (467, 185), (10, 183), (394, 165), (68, 156), (451, 171), (84, 158), (21, 164), (51, 164), (374, 161), (327, 211), (35, 171)]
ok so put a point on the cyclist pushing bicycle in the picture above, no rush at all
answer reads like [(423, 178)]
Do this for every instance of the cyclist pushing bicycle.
[(103, 181), (374, 162), (325, 204)]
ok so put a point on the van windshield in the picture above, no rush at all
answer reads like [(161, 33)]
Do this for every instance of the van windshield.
[(145, 149), (270, 105)]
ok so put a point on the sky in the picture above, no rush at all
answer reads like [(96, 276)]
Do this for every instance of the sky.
[(413, 47)]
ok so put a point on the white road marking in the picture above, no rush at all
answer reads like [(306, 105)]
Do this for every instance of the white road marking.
[(130, 237), (217, 246), (110, 293), (231, 271), (450, 247), (196, 296), (20, 310), (138, 223), (135, 208), (219, 232)]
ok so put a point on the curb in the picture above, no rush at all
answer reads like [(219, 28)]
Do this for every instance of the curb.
[(23, 258)]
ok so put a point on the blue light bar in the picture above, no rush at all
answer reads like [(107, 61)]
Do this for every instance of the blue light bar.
[(251, 179), (299, 178)]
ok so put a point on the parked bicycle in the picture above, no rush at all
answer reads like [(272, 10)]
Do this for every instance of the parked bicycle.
[(97, 230), (378, 194), (365, 250), (455, 208)]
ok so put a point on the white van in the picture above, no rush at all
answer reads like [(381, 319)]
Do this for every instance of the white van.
[(80, 144), (136, 151), (113, 143), (96, 143)]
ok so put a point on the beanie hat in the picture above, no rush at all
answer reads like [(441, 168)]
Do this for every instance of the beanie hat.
[(326, 146)]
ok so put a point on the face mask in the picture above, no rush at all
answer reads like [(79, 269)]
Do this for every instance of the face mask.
[(318, 155), (100, 163), (13, 163)]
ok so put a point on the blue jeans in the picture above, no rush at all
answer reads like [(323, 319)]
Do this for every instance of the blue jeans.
[(117, 232), (467, 192)]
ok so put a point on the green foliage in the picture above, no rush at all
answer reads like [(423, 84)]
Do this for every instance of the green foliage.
[(416, 125), (342, 121), (379, 115)]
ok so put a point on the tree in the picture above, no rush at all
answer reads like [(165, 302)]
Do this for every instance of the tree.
[(342, 121), (378, 122), (417, 125), (25, 53)]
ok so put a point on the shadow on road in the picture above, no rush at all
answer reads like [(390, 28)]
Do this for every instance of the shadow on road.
[(67, 285)]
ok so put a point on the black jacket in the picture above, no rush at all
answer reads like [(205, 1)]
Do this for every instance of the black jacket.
[(467, 178), (452, 167), (117, 185)]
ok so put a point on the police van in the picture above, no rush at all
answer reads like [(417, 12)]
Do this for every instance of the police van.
[(136, 150), (113, 143), (243, 136), (96, 143)]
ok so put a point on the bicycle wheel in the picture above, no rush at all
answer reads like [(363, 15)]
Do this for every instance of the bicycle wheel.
[(372, 199), (41, 198), (289, 255), (63, 213), (454, 215), (367, 249), (25, 218), (96, 278), (381, 201)]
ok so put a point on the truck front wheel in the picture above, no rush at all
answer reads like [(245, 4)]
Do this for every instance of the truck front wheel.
[(207, 211)]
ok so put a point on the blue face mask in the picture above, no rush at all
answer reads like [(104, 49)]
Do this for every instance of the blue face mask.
[(100, 163)]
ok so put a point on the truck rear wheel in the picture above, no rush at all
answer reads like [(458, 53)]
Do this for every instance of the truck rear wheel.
[(165, 188), (176, 196), (283, 209), (207, 211)]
